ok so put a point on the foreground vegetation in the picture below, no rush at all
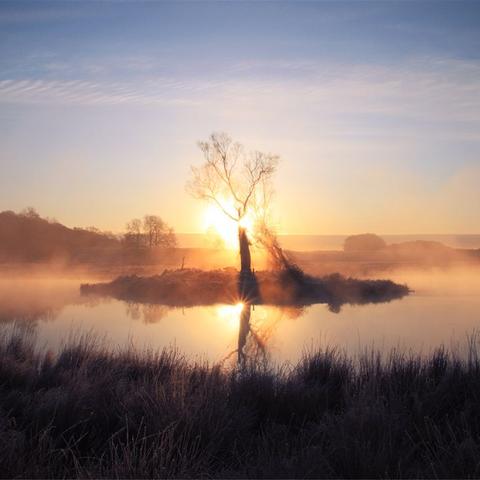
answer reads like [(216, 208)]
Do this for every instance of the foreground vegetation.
[(91, 412)]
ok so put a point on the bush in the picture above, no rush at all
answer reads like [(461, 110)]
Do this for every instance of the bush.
[(366, 242)]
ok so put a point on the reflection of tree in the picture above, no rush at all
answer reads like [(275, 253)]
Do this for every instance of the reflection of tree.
[(149, 312), (154, 313), (254, 337), (244, 329), (133, 310)]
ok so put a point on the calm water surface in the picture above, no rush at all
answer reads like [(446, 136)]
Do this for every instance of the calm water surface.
[(444, 308)]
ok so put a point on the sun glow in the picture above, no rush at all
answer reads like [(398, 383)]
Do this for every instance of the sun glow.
[(230, 314), (224, 226)]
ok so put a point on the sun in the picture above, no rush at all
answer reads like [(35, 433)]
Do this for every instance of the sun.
[(225, 227)]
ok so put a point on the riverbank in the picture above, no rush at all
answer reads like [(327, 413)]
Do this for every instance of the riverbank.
[(91, 412)]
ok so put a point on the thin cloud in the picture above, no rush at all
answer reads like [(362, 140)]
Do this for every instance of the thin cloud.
[(437, 90)]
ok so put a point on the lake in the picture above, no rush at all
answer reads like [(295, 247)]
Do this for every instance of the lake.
[(444, 308)]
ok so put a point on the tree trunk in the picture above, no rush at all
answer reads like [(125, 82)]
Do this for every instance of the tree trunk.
[(245, 259)]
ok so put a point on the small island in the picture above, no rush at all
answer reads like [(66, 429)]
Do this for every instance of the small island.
[(191, 287)]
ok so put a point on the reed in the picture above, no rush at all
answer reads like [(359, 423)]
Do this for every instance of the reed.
[(94, 412)]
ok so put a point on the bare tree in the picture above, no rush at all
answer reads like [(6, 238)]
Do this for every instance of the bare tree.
[(167, 238), (157, 232), (134, 232), (29, 212), (235, 181)]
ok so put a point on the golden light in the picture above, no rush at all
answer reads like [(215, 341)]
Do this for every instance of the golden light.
[(230, 314), (224, 226), (247, 222)]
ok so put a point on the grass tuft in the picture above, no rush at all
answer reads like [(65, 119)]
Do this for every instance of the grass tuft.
[(93, 412)]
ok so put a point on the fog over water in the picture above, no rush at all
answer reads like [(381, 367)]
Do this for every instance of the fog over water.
[(335, 242), (443, 309)]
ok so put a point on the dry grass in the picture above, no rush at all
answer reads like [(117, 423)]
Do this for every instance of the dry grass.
[(283, 287), (91, 412)]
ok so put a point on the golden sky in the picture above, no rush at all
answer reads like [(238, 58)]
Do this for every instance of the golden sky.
[(374, 109)]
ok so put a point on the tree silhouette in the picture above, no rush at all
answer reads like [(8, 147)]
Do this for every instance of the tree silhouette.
[(156, 233), (234, 180), (134, 232)]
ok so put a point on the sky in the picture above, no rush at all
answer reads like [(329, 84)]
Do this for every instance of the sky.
[(373, 107)]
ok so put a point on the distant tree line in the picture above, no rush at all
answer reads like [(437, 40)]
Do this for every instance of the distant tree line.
[(150, 232), (27, 237)]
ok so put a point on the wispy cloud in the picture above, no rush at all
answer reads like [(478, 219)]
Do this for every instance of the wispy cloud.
[(87, 93), (433, 90)]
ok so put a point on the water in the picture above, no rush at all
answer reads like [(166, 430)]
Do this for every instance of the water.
[(444, 308)]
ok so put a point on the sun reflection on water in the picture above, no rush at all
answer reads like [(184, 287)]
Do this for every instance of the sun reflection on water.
[(230, 314)]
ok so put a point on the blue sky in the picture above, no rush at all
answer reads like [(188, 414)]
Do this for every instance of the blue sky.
[(374, 108)]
